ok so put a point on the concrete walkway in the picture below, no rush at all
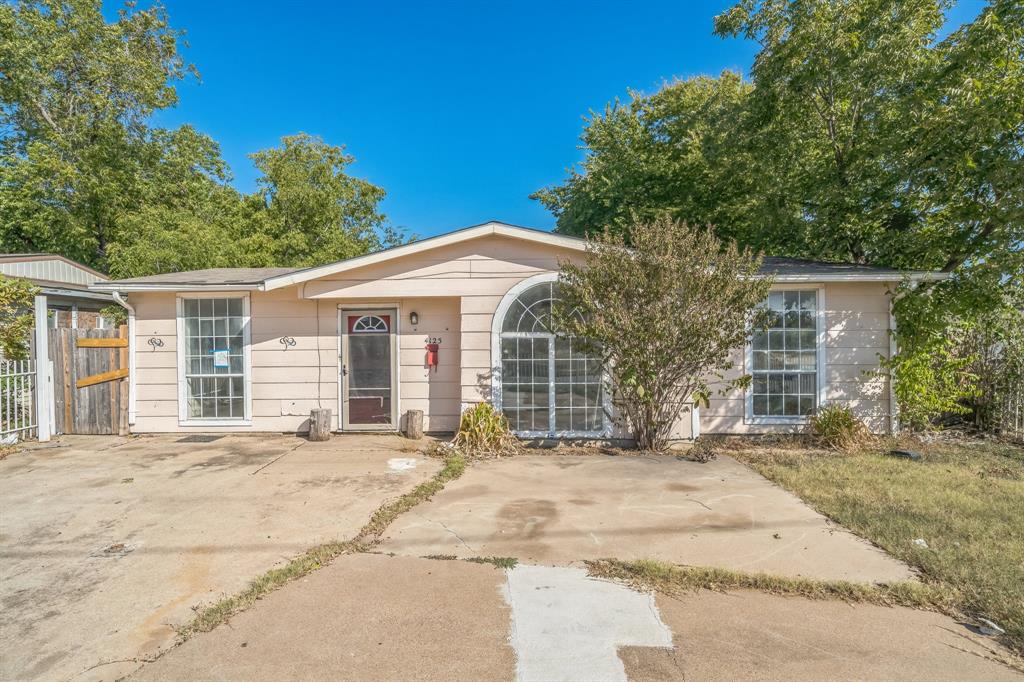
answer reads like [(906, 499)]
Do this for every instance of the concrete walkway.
[(108, 543), (556, 510)]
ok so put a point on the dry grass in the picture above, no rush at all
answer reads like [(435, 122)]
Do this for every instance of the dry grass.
[(369, 536), (673, 579), (964, 498)]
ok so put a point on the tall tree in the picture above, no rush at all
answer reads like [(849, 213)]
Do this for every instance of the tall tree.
[(861, 137), (76, 93), (309, 210)]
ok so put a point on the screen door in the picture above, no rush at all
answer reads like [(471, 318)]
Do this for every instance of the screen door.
[(368, 372)]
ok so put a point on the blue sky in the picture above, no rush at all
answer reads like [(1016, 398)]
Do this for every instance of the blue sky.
[(458, 109)]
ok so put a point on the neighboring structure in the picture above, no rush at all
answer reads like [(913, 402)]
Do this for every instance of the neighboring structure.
[(441, 323), (64, 300), (65, 284)]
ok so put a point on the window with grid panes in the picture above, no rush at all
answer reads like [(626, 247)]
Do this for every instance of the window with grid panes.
[(214, 330), (550, 385), (784, 358)]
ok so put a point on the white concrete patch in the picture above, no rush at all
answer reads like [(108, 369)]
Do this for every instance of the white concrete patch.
[(567, 626), (401, 463)]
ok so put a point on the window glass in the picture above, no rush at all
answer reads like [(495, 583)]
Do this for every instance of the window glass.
[(784, 359), (214, 347), (549, 385)]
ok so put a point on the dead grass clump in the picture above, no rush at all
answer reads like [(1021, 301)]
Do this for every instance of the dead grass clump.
[(483, 431), (835, 426)]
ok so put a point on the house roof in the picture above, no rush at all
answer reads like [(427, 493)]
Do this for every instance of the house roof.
[(266, 279), (219, 277), (50, 267)]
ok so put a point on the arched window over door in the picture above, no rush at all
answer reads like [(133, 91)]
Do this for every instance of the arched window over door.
[(546, 385)]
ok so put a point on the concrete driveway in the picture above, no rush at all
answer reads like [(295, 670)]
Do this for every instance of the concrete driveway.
[(382, 618), (108, 543), (557, 510)]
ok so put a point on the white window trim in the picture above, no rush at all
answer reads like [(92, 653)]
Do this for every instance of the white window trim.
[(496, 323), (821, 335), (183, 417)]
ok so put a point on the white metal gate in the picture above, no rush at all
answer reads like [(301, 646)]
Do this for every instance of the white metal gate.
[(17, 400)]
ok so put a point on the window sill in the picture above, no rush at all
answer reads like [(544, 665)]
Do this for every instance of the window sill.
[(775, 420), (199, 423)]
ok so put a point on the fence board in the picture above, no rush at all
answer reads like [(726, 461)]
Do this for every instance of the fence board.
[(79, 354)]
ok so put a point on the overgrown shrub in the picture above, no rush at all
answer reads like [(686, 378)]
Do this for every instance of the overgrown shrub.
[(485, 431), (665, 311), (835, 426)]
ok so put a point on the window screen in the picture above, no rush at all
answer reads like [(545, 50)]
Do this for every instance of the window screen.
[(785, 357), (214, 347)]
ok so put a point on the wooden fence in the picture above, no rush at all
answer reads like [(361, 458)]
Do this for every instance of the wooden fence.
[(90, 375)]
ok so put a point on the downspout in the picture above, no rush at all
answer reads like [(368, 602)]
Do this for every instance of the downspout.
[(131, 355)]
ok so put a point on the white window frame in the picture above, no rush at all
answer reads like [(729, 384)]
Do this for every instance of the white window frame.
[(496, 323), (183, 417), (820, 336)]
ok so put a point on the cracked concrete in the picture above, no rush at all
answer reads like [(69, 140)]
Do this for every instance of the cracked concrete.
[(559, 509), (108, 543)]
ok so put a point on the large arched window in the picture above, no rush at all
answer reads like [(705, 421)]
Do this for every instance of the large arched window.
[(546, 385)]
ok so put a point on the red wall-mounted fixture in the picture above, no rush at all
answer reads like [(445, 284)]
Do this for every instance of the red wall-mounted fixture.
[(433, 351)]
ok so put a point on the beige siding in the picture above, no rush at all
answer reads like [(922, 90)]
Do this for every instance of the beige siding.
[(455, 291), (288, 382), (856, 320)]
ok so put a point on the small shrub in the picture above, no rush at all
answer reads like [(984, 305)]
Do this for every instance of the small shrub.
[(702, 451), (835, 426), (485, 431)]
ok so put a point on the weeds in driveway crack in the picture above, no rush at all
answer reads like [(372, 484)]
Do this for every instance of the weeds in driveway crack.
[(674, 579), (369, 536), (507, 562)]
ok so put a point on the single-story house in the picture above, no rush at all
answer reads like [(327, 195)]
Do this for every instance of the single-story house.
[(442, 323)]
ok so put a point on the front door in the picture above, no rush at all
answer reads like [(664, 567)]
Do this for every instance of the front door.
[(368, 370)]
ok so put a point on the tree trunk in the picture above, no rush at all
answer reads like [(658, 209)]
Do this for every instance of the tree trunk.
[(320, 424)]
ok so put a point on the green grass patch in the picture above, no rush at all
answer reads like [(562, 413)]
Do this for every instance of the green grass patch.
[(211, 616), (964, 499), (496, 561)]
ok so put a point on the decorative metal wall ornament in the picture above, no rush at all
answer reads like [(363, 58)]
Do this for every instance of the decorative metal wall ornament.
[(155, 343), (287, 342)]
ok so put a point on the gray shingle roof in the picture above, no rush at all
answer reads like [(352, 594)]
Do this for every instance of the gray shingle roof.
[(212, 276), (809, 268)]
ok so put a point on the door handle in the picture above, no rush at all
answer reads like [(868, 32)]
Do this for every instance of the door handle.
[(344, 370)]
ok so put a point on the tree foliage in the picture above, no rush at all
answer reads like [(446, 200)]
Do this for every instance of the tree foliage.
[(16, 318), (665, 316), (860, 137), (83, 173)]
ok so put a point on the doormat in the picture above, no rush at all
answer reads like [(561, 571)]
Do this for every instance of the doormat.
[(198, 439)]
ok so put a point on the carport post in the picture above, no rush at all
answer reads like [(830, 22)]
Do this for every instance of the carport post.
[(44, 415)]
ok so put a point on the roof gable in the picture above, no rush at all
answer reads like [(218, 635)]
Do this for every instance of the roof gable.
[(465, 234)]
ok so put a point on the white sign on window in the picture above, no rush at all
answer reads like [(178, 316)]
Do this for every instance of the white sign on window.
[(220, 358)]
